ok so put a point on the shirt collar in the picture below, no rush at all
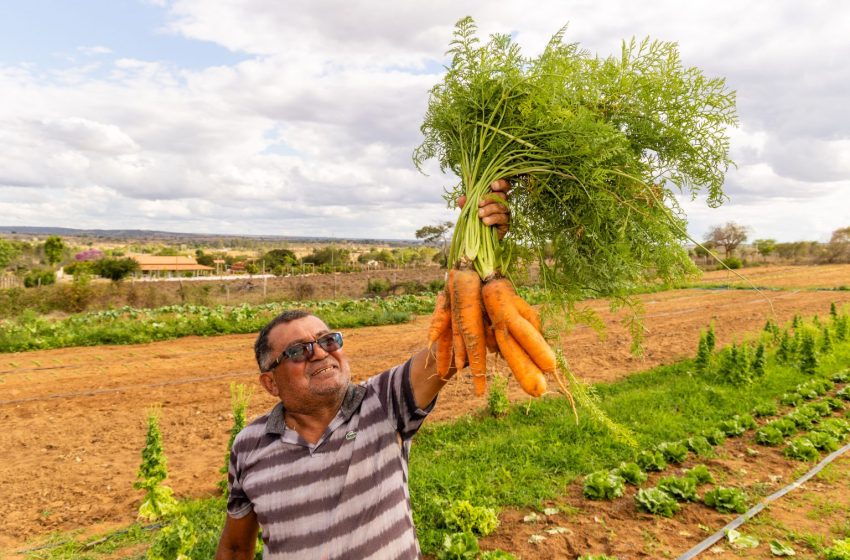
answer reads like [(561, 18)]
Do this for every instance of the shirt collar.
[(353, 397)]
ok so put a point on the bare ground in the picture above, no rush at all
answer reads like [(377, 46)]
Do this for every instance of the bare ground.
[(74, 418)]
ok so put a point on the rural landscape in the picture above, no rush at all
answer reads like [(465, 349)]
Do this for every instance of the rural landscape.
[(452, 281)]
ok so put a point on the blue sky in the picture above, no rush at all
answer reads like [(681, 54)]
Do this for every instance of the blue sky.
[(299, 118), (51, 34)]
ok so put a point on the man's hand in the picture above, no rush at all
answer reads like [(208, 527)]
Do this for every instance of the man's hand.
[(492, 212)]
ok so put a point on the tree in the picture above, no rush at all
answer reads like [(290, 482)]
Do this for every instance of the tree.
[(328, 255), (53, 249), (277, 259), (8, 251), (838, 248), (115, 269), (437, 234), (765, 246), (728, 236)]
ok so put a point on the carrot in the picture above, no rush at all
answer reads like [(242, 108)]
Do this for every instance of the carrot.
[(441, 319), (465, 293), (529, 313), (499, 300), (490, 336), (457, 336), (525, 371), (444, 353)]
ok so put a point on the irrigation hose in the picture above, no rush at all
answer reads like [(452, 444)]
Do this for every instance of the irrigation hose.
[(743, 518)]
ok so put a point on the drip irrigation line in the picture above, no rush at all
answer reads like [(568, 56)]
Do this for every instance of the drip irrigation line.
[(740, 520)]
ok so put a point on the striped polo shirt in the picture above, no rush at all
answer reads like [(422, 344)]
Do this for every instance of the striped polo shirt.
[(346, 495)]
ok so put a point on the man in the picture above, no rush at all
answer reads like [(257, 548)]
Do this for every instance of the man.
[(325, 472)]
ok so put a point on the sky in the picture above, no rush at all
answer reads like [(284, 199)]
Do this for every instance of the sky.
[(298, 118)]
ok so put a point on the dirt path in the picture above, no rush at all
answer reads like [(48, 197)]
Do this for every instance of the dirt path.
[(74, 418)]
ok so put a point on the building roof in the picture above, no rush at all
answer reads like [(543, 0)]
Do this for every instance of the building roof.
[(149, 263)]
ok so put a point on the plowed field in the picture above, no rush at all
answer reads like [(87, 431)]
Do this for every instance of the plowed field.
[(73, 419)]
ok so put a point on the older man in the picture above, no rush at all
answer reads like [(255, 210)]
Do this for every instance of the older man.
[(325, 472)]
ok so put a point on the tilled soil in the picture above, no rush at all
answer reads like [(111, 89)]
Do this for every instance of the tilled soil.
[(74, 419)]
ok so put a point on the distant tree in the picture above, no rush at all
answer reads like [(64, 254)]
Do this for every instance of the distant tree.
[(765, 246), (115, 269), (328, 255), (53, 249), (8, 251), (35, 278), (279, 258), (838, 248), (728, 236), (437, 234), (203, 258)]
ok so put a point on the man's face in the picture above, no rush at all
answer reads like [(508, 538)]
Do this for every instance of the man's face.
[(321, 378)]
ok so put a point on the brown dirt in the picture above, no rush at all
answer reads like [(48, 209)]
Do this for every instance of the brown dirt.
[(74, 418)]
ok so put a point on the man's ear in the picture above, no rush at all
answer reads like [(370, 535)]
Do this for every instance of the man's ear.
[(269, 384)]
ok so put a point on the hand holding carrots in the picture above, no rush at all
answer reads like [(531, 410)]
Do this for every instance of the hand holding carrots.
[(493, 209)]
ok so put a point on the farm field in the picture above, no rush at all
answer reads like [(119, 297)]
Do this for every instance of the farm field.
[(74, 417)]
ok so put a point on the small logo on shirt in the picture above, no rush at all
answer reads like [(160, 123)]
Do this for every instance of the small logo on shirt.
[(351, 435)]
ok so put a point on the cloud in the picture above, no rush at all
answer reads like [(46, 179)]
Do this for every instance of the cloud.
[(94, 50)]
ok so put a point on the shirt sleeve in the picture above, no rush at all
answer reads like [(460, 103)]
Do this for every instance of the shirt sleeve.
[(395, 391), (238, 503)]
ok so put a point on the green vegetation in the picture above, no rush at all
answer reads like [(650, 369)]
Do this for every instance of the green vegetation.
[(128, 325), (603, 485), (656, 501), (158, 500), (726, 500)]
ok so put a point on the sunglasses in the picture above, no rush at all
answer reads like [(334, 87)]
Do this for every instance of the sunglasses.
[(303, 351)]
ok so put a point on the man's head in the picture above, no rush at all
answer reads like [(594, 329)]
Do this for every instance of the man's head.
[(303, 378)]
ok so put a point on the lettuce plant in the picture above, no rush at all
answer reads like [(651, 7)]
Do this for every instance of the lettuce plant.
[(726, 500), (656, 501)]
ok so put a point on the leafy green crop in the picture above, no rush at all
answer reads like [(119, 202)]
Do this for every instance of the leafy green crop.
[(699, 445), (631, 473), (673, 451), (765, 409), (714, 436), (459, 546), (786, 426), (467, 518), (802, 449), (683, 489), (823, 441), (726, 500), (732, 427), (769, 435), (603, 485), (840, 550), (656, 501), (700, 475), (596, 148), (650, 460), (791, 399)]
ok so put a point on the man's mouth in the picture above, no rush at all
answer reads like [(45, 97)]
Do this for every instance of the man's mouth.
[(323, 369)]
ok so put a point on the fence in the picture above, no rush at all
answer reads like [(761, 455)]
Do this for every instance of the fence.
[(7, 282)]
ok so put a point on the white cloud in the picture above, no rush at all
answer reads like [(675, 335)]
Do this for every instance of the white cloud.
[(312, 134)]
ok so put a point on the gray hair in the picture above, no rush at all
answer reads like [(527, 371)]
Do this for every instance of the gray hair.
[(262, 347)]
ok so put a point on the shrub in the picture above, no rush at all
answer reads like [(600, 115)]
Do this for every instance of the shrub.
[(436, 286), (656, 501), (377, 287), (603, 485), (35, 278), (733, 262), (726, 500)]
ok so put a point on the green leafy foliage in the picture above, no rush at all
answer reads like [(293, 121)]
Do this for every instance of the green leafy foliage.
[(466, 518), (842, 376), (174, 542), (714, 436), (683, 489), (732, 427), (785, 426), (631, 473), (765, 409), (700, 475), (803, 418), (823, 441), (603, 485), (597, 165), (844, 393), (498, 403), (779, 548), (769, 435), (726, 500), (656, 501), (840, 550), (158, 500), (651, 460), (674, 451), (699, 445), (240, 396), (459, 546), (808, 354), (791, 399), (802, 449)]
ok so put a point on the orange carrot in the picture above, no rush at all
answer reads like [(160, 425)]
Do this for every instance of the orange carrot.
[(457, 336), (441, 319), (444, 353), (525, 371), (490, 336), (499, 300), (529, 313), (465, 292)]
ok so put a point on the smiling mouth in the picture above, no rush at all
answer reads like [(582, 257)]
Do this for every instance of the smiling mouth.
[(322, 370)]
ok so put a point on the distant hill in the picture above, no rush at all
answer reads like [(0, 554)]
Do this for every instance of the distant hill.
[(144, 234)]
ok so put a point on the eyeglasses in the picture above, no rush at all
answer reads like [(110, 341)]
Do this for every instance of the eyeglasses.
[(303, 351)]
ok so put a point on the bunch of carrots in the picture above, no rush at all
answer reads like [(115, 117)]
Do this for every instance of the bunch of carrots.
[(473, 317)]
